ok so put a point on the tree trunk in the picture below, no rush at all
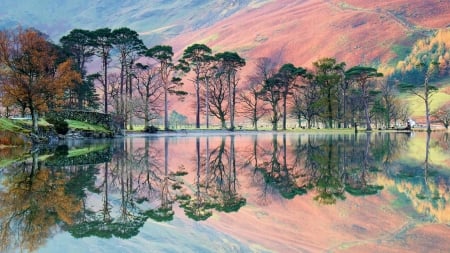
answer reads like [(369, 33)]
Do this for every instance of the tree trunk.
[(207, 102), (105, 85), (197, 111), (366, 113), (284, 111), (427, 103), (166, 109), (34, 120), (330, 110), (224, 125)]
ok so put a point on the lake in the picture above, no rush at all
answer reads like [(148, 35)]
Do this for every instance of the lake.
[(265, 192)]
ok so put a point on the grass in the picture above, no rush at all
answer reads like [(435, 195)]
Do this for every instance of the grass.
[(417, 105), (9, 125), (11, 134), (78, 125)]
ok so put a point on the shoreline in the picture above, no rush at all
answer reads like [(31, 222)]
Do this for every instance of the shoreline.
[(221, 132)]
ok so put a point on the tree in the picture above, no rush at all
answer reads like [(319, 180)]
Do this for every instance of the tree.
[(101, 41), (177, 119), (389, 102), (149, 89), (271, 93), (306, 101), (426, 90), (328, 75), (33, 76), (218, 97), (163, 55), (253, 107), (288, 75), (209, 70), (265, 70), (361, 76), (87, 96), (196, 58), (229, 64), (77, 44), (129, 47), (443, 115)]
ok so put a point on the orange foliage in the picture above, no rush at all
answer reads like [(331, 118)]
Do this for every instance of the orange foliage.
[(33, 203), (32, 76), (10, 139)]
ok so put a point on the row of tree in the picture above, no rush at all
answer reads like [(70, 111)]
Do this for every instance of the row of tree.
[(137, 81)]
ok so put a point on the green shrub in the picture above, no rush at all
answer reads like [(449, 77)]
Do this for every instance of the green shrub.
[(61, 126), (151, 129)]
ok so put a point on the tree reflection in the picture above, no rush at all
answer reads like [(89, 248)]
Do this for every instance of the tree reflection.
[(198, 207), (228, 199), (116, 182), (328, 175), (115, 189), (335, 164), (164, 211), (357, 181), (34, 200), (425, 182), (218, 188), (278, 173)]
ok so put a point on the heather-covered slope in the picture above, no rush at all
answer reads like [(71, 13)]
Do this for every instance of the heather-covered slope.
[(354, 31), (155, 20)]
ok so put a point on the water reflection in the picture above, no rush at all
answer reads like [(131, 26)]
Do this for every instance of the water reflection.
[(34, 200), (111, 189)]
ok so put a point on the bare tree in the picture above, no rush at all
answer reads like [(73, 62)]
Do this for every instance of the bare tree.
[(218, 98), (149, 88), (253, 106), (442, 115)]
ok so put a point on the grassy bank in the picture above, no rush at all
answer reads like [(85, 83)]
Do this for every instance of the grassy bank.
[(15, 132)]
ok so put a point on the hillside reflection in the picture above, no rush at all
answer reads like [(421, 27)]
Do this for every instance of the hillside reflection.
[(112, 189)]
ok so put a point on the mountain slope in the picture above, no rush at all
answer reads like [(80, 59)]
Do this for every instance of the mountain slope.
[(354, 31), (155, 20)]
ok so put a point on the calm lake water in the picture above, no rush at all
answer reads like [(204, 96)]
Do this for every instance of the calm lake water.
[(378, 192)]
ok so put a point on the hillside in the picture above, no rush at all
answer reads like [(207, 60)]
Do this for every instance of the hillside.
[(155, 20), (354, 31)]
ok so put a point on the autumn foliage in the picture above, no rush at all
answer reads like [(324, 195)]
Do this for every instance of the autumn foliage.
[(31, 75)]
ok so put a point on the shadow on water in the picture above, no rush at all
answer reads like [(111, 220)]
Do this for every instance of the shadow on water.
[(111, 189)]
